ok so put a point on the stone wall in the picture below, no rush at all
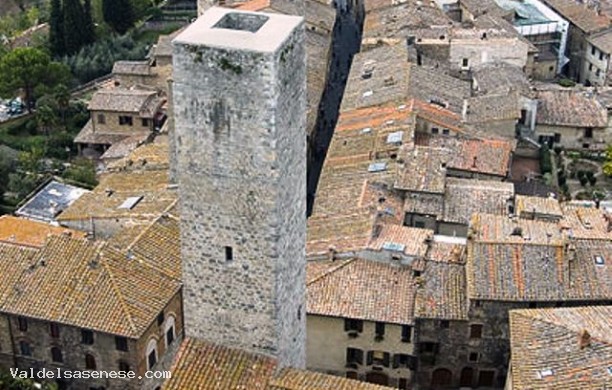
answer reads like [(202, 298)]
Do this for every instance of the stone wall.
[(241, 162), (111, 123)]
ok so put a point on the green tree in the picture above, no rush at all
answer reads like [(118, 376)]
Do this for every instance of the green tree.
[(89, 33), (46, 118), (83, 172), (607, 168), (56, 29), (62, 97), (28, 69), (30, 161), (118, 14), (74, 17)]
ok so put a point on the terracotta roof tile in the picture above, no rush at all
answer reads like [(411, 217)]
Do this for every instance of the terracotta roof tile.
[(88, 285), (538, 205), (423, 169), (547, 351), (25, 232), (365, 290), (414, 240), (200, 365), (576, 12), (570, 108), (464, 197), (586, 223), (441, 292)]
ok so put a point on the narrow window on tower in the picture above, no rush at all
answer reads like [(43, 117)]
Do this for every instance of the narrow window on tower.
[(229, 253)]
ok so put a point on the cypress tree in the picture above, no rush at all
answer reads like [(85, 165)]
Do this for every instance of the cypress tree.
[(73, 25), (56, 29), (119, 14), (89, 34)]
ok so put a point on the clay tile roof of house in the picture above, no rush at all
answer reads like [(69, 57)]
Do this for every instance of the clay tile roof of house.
[(517, 260), (88, 136), (120, 100), (441, 292), (482, 7), (423, 169), (500, 77), (464, 197), (487, 156), (536, 204), (205, 366), (586, 223), (138, 68), (495, 107), (570, 108), (342, 233), (412, 241), (254, 5), (163, 47), (603, 41), (292, 379), (141, 196), (148, 156), (446, 252), (25, 232), (365, 290), (87, 285), (563, 348), (578, 13)]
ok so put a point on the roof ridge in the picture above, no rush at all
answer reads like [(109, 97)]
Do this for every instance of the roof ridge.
[(115, 288), (331, 270), (550, 321)]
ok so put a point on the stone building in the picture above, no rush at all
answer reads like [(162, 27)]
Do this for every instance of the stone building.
[(118, 114), (596, 70), (586, 18), (560, 348), (573, 119), (72, 304), (240, 106)]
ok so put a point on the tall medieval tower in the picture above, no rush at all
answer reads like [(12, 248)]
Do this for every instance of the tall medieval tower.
[(240, 108)]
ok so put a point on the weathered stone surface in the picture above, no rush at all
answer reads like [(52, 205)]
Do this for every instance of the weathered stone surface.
[(240, 109)]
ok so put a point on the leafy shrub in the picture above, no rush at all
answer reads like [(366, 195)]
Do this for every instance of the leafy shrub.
[(583, 180), (589, 174), (545, 160), (592, 180), (567, 83)]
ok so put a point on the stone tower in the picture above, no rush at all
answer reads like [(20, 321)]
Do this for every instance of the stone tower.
[(240, 109)]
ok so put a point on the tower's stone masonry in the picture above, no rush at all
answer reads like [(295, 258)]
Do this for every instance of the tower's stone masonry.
[(240, 109)]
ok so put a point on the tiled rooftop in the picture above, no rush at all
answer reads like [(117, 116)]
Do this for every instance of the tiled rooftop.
[(586, 223), (363, 289), (441, 294), (569, 108), (204, 366), (577, 13), (464, 197), (137, 68), (25, 232), (486, 156), (87, 135), (149, 156), (538, 205), (414, 241), (516, 260), (494, 107), (564, 348), (87, 285), (116, 188), (423, 169), (500, 77), (143, 102), (603, 41)]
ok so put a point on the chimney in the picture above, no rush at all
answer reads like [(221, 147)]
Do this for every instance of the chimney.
[(584, 340)]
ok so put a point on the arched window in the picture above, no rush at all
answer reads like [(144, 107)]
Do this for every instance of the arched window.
[(441, 378), (169, 330), (56, 355), (90, 362), (151, 353)]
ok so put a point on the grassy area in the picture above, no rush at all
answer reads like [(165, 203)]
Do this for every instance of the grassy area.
[(16, 134), (151, 36)]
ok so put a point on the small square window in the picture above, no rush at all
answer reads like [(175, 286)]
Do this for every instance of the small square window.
[(145, 122), (445, 131), (380, 329), (435, 130), (229, 253), (444, 324), (54, 330), (121, 343), (416, 274), (351, 325), (23, 324), (473, 357), (586, 146), (87, 337), (475, 331), (465, 62), (406, 333), (125, 120), (101, 119)]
